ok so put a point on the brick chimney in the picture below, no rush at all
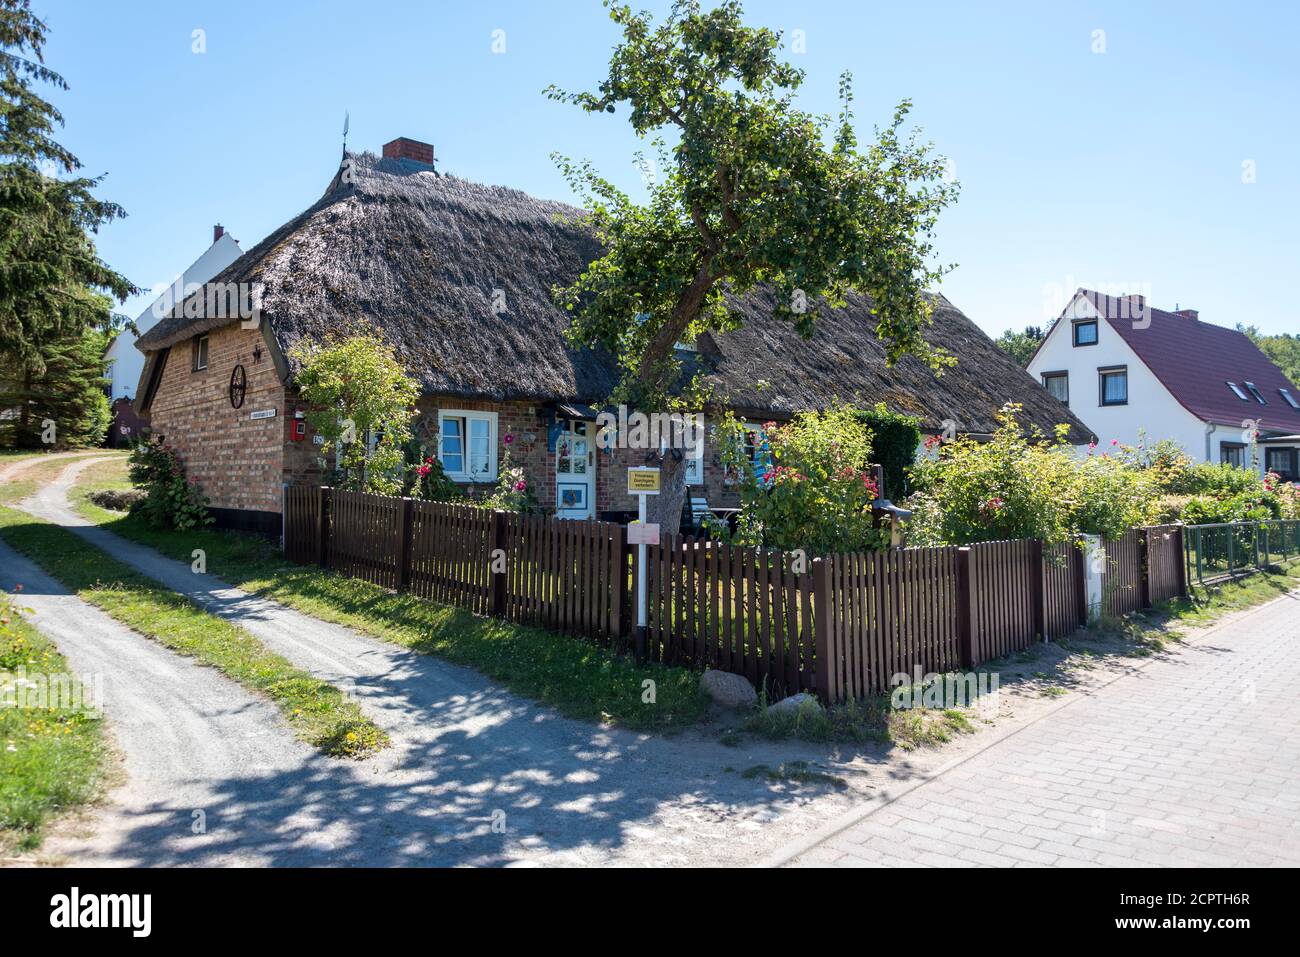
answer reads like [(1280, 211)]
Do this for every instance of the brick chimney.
[(1188, 314), (412, 151), (218, 231)]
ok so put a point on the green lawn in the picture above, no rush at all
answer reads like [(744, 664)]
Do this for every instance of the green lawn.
[(50, 759), (34, 475), (575, 676), (315, 710)]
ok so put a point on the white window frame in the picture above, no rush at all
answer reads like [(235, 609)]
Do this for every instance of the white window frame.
[(695, 461), (201, 346), (493, 439)]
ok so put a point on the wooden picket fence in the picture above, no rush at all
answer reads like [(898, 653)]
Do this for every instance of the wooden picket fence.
[(840, 626)]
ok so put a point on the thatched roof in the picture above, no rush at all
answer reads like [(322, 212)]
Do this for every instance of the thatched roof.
[(418, 256)]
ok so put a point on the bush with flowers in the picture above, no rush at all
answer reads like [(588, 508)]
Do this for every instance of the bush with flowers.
[(170, 500), (1021, 484), (425, 478), (814, 490), (514, 493)]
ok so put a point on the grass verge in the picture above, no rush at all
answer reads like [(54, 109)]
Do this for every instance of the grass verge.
[(318, 713), (51, 758), (576, 677)]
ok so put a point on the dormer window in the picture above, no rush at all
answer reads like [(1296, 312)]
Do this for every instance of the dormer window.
[(1236, 390), (1085, 332), (1256, 393), (1290, 399)]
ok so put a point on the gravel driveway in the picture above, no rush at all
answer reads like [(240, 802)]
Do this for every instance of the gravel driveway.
[(475, 776)]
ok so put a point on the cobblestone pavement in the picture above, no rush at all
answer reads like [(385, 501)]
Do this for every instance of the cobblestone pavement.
[(1194, 760)]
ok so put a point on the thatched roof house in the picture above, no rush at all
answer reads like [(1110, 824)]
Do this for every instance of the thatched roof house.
[(458, 277)]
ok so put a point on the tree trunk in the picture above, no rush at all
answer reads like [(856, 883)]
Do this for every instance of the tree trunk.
[(666, 507)]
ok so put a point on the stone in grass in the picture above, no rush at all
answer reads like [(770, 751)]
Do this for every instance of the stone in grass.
[(729, 690), (796, 704)]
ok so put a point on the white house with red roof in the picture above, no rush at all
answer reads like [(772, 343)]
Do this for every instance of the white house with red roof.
[(1129, 371)]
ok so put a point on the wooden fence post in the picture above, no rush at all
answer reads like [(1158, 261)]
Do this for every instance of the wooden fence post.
[(405, 524), (1038, 596), (618, 584), (1144, 568), (323, 526), (824, 627), (497, 606), (965, 624)]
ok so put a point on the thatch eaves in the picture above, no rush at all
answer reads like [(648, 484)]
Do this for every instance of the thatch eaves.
[(457, 276)]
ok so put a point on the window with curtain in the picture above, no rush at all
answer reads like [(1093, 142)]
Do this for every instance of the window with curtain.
[(1114, 387), (1233, 453), (1058, 385)]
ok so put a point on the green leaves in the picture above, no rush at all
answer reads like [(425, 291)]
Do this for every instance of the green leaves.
[(49, 271), (363, 400), (804, 484), (749, 195)]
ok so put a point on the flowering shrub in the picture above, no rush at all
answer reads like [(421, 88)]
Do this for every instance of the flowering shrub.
[(1286, 493), (426, 480), (514, 493), (1021, 485), (813, 490), (1251, 506), (170, 500)]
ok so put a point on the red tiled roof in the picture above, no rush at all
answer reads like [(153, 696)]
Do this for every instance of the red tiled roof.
[(1196, 360)]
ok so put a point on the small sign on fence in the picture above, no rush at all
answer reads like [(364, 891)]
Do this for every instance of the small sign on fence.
[(642, 480), (643, 533)]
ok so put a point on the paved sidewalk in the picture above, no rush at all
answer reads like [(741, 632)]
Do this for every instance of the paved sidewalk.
[(1194, 760)]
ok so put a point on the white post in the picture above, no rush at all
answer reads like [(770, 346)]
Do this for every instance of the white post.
[(1094, 565), (640, 569)]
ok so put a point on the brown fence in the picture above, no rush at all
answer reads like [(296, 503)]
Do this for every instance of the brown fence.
[(887, 613), (840, 626), (745, 610), (1164, 562)]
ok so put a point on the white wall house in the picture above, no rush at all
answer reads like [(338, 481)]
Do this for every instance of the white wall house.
[(123, 361), (1129, 370)]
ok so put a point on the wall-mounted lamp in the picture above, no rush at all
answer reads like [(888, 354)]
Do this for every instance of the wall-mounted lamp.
[(257, 352)]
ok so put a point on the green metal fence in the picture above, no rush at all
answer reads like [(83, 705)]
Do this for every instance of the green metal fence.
[(1216, 552)]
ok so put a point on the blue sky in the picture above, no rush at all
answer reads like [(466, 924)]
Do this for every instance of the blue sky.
[(1121, 168)]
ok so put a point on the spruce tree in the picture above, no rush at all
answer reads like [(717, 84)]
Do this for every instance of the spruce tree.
[(52, 282)]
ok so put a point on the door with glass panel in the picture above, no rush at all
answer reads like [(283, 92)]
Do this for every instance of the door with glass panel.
[(575, 471)]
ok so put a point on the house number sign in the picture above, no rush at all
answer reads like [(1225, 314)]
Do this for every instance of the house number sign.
[(263, 414)]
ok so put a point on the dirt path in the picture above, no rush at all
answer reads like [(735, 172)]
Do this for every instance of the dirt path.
[(466, 756), (13, 470), (190, 739)]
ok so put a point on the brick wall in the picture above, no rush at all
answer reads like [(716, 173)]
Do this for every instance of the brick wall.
[(236, 460), (526, 423)]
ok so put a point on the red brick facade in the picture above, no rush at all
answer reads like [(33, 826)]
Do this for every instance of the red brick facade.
[(241, 462), (237, 460)]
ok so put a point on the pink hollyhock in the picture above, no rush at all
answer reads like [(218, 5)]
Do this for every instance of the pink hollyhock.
[(520, 485), (507, 438)]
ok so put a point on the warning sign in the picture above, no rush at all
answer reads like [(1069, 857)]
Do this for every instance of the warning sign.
[(642, 480)]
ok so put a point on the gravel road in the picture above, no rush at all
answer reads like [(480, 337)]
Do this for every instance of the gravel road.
[(476, 775)]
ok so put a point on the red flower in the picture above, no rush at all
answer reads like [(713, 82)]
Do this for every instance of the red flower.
[(520, 485), (507, 438)]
